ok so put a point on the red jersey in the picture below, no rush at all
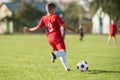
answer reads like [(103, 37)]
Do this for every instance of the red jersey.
[(52, 24), (112, 29)]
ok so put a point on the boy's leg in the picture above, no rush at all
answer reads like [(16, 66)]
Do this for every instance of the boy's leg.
[(109, 38), (63, 60), (53, 57), (57, 54), (115, 40), (62, 54)]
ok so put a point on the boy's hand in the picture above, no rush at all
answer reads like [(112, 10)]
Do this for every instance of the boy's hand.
[(24, 29)]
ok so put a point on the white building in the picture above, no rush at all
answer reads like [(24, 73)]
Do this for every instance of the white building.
[(100, 22), (6, 26)]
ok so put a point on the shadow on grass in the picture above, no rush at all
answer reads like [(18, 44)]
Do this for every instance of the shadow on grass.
[(101, 71)]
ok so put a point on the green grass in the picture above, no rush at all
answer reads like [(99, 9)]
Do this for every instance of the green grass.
[(26, 57)]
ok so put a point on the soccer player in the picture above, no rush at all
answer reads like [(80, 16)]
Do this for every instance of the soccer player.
[(112, 32), (81, 33), (52, 23)]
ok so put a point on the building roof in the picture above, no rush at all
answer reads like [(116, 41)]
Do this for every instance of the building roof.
[(12, 6), (38, 5)]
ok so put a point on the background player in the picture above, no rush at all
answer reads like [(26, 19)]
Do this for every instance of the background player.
[(112, 33)]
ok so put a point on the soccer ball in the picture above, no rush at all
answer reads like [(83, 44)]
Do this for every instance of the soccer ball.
[(82, 66)]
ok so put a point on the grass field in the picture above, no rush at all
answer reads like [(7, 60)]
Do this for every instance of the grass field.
[(26, 57)]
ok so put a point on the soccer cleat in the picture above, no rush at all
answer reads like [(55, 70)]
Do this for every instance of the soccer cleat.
[(53, 57), (67, 70)]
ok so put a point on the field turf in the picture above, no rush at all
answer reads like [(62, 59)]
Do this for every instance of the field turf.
[(26, 57)]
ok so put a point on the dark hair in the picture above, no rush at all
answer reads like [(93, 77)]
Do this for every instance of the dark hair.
[(51, 6)]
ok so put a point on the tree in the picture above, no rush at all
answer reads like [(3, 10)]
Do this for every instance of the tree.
[(73, 14), (111, 7), (26, 12), (26, 15)]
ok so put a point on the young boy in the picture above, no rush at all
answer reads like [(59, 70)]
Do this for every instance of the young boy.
[(112, 33), (80, 30), (52, 23)]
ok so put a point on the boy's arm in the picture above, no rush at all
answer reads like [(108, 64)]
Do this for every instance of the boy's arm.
[(33, 29), (69, 28), (26, 29)]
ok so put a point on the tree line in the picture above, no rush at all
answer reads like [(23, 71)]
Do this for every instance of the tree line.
[(74, 13)]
